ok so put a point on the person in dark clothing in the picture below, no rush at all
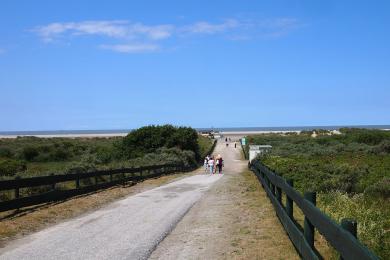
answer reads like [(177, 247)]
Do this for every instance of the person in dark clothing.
[(220, 164)]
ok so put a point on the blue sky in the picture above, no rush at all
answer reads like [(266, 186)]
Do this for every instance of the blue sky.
[(123, 64)]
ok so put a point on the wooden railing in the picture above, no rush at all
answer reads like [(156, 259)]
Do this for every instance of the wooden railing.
[(100, 180), (341, 237)]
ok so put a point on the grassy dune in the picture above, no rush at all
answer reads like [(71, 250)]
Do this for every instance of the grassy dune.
[(351, 173)]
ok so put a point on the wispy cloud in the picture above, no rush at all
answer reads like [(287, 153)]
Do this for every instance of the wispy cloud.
[(135, 37), (114, 29), (2, 51), (279, 26), (131, 48), (211, 28)]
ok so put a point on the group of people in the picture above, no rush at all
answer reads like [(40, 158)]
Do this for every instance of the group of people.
[(213, 164), (227, 144)]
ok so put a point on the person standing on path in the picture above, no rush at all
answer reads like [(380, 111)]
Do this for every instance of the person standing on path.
[(220, 164), (206, 163), (211, 165)]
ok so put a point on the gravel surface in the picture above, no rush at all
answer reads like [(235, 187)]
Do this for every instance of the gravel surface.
[(128, 229)]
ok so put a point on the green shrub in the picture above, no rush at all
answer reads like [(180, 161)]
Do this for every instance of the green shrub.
[(81, 167), (60, 155), (379, 189), (382, 148), (9, 167), (5, 152), (371, 216), (104, 155), (29, 153), (150, 138)]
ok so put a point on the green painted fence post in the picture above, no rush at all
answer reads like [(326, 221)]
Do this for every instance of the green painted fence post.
[(272, 188), (349, 225), (53, 185), (289, 201), (78, 181), (308, 226), (279, 194), (17, 192)]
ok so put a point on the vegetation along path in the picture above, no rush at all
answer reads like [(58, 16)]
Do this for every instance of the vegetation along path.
[(132, 228)]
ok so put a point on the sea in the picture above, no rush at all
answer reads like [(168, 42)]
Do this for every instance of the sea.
[(220, 129)]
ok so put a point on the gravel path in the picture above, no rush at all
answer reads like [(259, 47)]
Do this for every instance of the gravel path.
[(128, 229)]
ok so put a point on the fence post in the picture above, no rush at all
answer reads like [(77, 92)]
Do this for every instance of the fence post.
[(53, 185), (349, 225), (17, 193), (96, 180), (308, 226), (78, 181), (272, 188), (289, 201), (111, 177), (279, 194)]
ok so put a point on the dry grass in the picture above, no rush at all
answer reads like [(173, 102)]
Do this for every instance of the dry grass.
[(15, 224), (256, 233), (233, 220)]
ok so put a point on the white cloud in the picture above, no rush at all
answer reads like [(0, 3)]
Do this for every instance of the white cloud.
[(2, 51), (131, 48), (279, 26), (112, 29), (133, 37), (210, 28)]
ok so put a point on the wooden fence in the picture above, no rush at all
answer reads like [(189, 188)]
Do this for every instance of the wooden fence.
[(101, 179), (341, 237)]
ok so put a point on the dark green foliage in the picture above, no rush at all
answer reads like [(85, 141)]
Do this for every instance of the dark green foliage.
[(371, 137), (29, 153), (5, 152), (351, 172), (154, 144), (150, 138), (9, 167), (382, 148), (380, 188)]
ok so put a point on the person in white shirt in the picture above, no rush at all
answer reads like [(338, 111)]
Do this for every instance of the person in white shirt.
[(206, 164), (211, 165)]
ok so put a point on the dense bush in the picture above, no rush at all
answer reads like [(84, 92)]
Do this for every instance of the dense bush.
[(351, 171), (382, 148), (371, 215), (150, 138), (9, 167), (153, 144), (29, 153), (380, 188), (5, 152)]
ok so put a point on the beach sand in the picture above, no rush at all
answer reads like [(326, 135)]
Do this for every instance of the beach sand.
[(69, 135)]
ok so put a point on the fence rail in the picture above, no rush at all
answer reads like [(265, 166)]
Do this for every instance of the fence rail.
[(342, 238), (116, 176)]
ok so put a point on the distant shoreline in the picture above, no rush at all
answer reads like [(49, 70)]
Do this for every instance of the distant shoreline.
[(106, 135), (223, 131)]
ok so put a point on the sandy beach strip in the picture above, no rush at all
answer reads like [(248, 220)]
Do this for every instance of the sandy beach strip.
[(107, 135), (259, 132)]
